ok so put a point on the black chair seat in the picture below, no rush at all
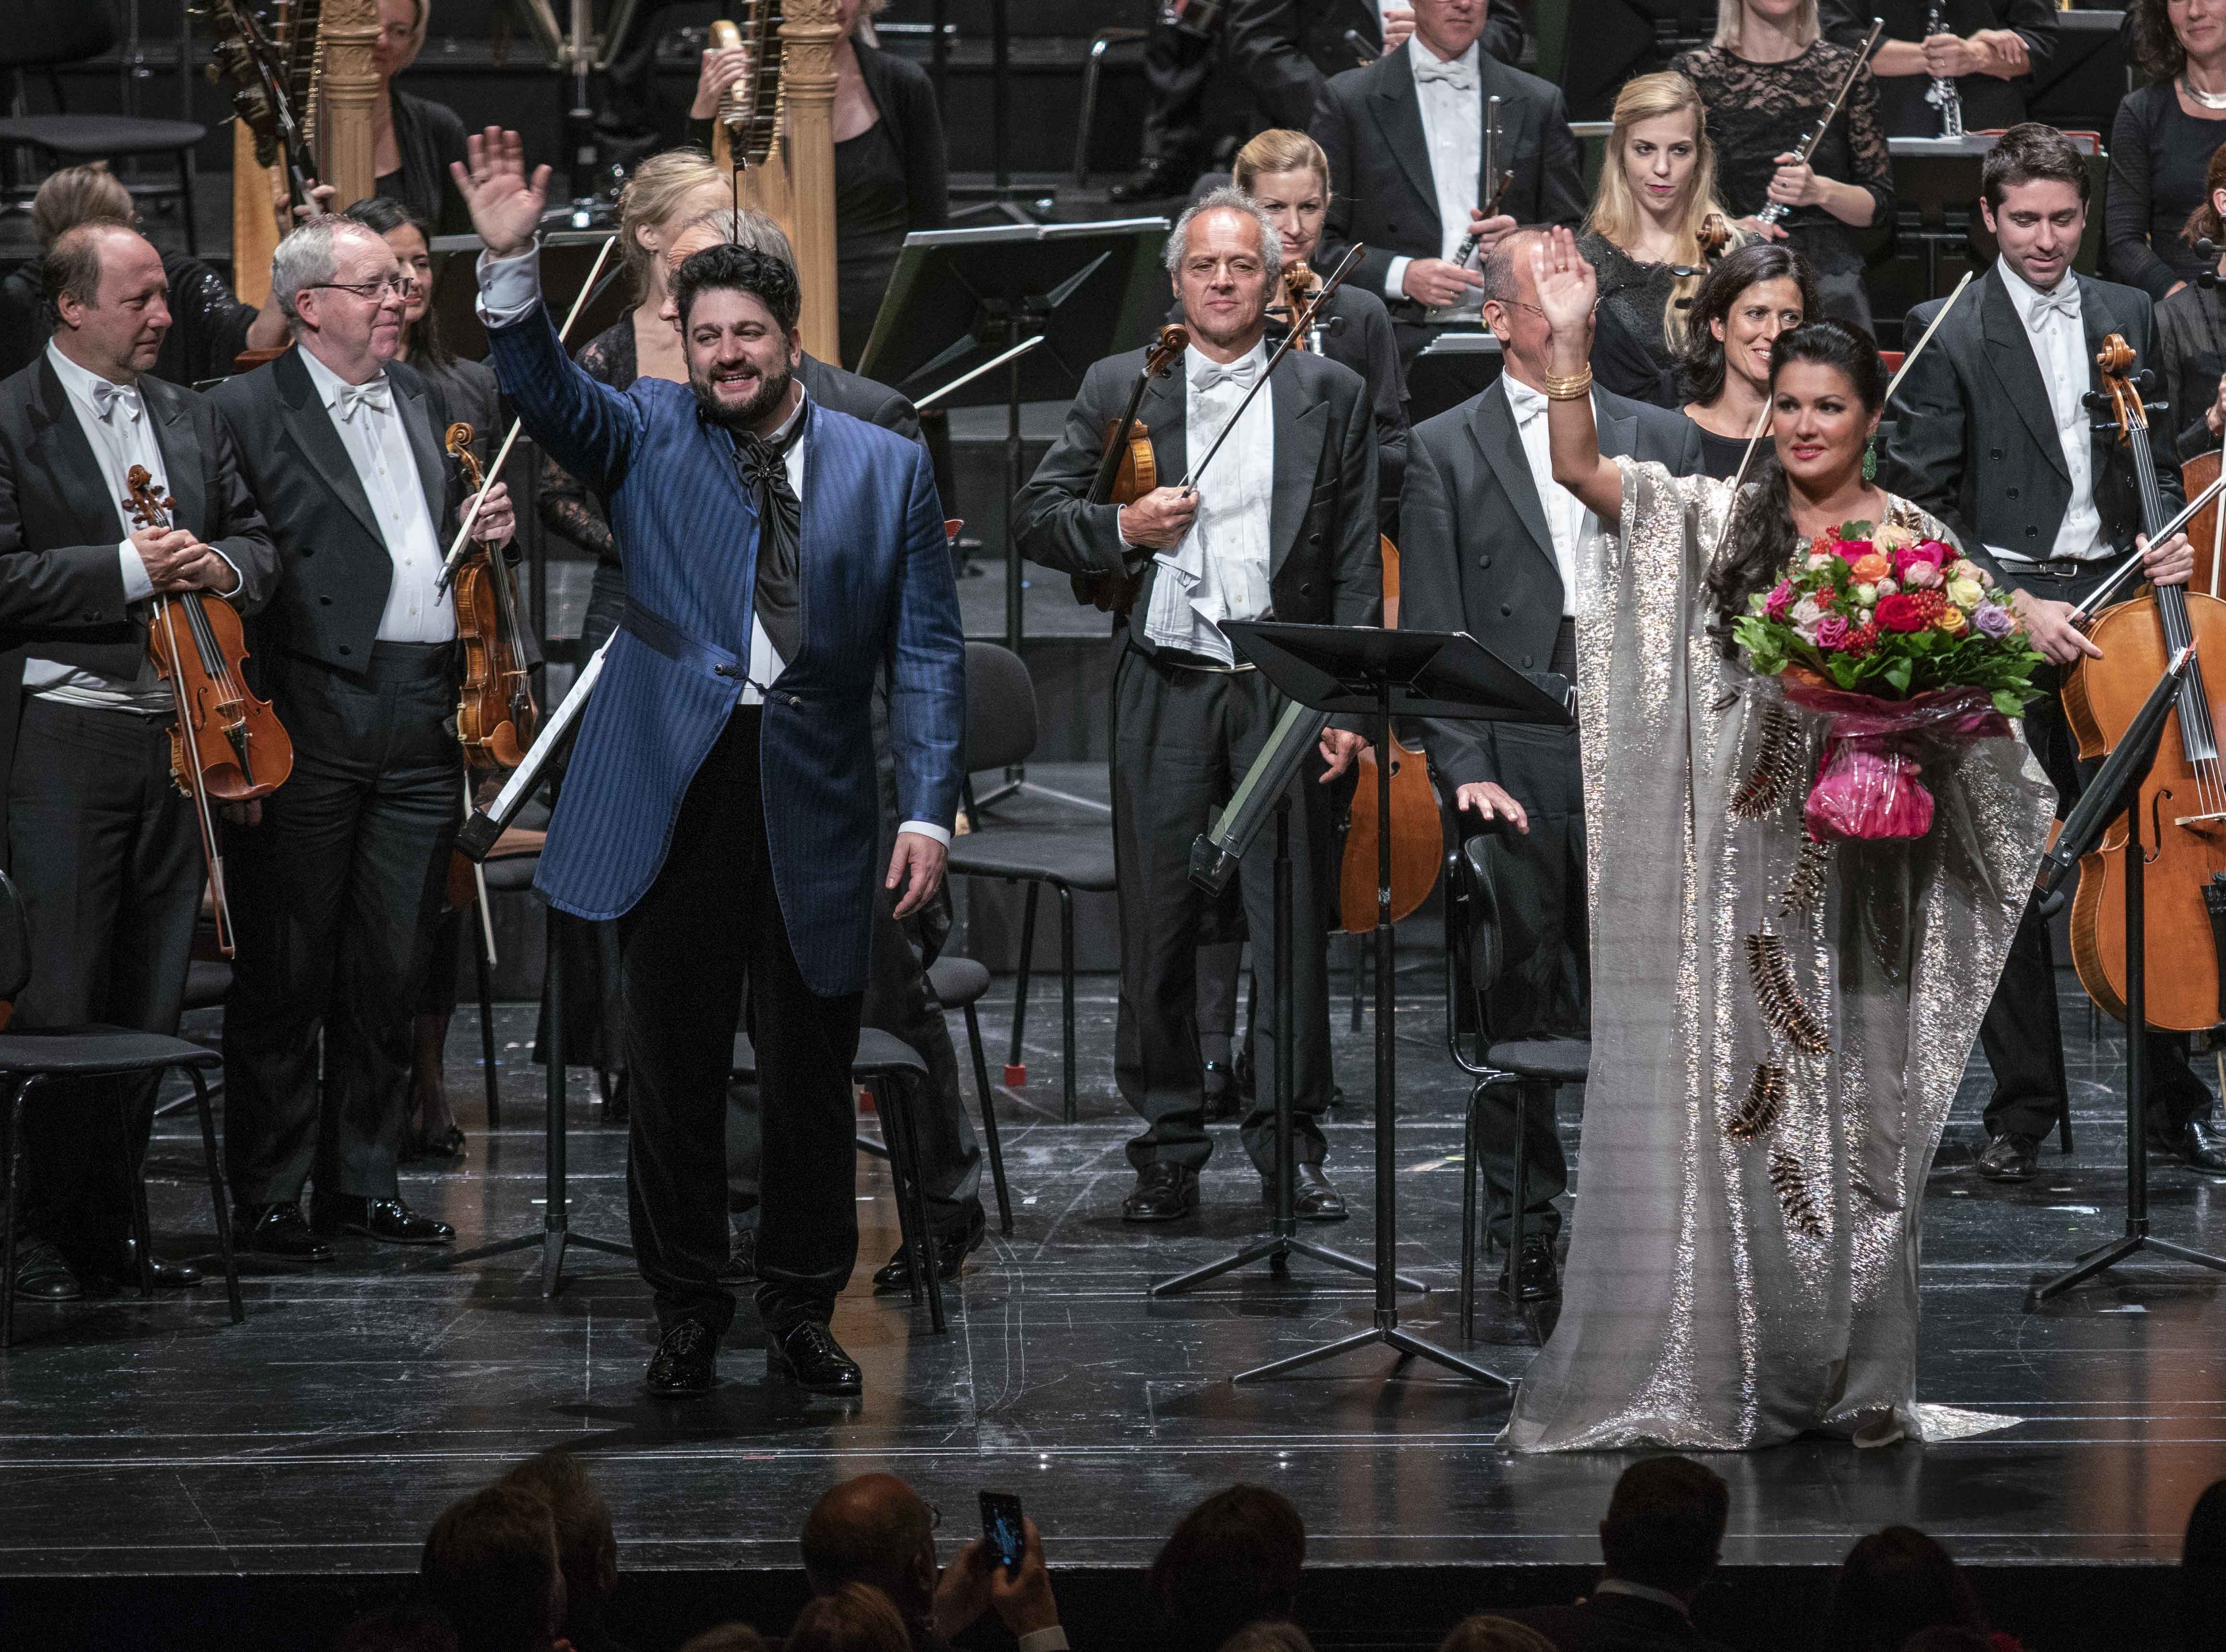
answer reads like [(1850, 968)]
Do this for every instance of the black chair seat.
[(511, 873), (878, 1052), (207, 980), (1565, 1061), (1077, 860), (958, 982), (84, 1051), (98, 134)]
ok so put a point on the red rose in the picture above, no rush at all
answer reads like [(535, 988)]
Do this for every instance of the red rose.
[(1901, 612)]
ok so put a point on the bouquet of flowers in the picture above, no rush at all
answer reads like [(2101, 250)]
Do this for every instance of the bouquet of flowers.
[(1894, 637)]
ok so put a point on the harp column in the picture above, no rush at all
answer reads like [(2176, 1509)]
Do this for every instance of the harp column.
[(349, 28), (809, 32)]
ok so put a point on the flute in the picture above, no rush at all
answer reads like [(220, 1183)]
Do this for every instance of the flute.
[(1777, 209)]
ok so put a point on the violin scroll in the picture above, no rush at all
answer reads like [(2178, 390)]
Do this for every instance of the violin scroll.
[(458, 443)]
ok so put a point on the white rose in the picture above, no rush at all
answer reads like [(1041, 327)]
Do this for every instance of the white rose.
[(1866, 594)]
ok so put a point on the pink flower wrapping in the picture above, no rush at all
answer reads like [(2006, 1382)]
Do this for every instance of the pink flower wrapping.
[(1871, 784)]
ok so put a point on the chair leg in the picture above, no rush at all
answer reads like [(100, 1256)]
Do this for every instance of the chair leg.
[(989, 1121), (487, 1034), (1016, 1071), (899, 1122), (15, 1205), (141, 1230), (218, 1195), (1519, 1195), (1066, 993), (185, 200), (1468, 1215)]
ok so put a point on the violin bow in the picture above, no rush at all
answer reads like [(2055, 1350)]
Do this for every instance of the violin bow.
[(1299, 324), (455, 555), (2124, 570)]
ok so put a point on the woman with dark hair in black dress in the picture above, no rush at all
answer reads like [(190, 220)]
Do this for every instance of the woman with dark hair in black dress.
[(413, 138), (2162, 144), (1752, 294)]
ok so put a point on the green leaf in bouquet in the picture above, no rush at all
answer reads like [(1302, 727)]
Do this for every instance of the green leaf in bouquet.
[(1898, 673)]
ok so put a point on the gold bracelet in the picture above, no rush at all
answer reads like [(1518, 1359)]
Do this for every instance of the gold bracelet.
[(1575, 388)]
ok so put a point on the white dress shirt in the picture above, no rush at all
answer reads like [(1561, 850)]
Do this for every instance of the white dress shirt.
[(1219, 570), (1452, 99), (2059, 334), (1567, 519), (418, 609), (116, 425), (509, 289)]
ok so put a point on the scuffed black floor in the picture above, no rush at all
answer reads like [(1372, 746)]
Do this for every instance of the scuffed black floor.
[(325, 1433)]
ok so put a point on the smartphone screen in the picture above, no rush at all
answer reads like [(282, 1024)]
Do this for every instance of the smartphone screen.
[(1002, 1530)]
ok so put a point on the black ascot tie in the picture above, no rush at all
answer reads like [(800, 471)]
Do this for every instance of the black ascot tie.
[(780, 515)]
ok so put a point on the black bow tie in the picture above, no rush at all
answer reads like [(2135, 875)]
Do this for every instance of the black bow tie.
[(764, 466)]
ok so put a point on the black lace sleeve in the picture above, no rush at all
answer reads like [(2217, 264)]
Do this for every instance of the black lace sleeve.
[(1758, 111), (1872, 167), (568, 509)]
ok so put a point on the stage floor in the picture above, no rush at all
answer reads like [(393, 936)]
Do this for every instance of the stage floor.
[(325, 1433)]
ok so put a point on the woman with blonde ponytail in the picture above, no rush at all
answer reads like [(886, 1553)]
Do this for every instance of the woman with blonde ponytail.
[(1656, 193)]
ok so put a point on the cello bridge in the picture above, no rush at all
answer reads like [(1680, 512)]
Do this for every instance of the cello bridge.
[(2210, 821)]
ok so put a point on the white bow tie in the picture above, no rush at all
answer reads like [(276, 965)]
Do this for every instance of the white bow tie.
[(374, 395), (1240, 373), (107, 398), (1457, 75), (2063, 301)]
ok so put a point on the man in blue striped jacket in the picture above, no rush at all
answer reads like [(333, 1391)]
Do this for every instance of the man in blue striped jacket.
[(721, 802)]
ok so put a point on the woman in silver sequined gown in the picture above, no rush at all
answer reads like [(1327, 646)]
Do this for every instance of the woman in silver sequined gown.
[(1743, 1268)]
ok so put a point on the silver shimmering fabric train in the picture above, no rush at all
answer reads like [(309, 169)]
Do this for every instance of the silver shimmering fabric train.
[(1776, 1038)]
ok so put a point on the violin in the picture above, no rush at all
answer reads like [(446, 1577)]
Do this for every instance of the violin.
[(224, 743), (1714, 235), (1127, 470), (1300, 287), (2182, 800), (1417, 831), (495, 714)]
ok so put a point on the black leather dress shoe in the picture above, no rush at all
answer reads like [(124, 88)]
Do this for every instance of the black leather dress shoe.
[(1541, 1279), (685, 1362), (444, 1150), (741, 1267), (278, 1230), (951, 1250), (808, 1356), (2010, 1159), (42, 1273), (389, 1221), (2195, 1144), (1164, 1193), (122, 1270), (1159, 180), (1313, 1200)]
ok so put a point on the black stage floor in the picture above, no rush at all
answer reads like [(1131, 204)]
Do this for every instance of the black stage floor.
[(155, 1458)]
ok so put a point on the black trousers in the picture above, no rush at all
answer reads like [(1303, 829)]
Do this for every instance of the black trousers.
[(1178, 64), (336, 897), (708, 925), (2021, 1033), (1546, 990), (1182, 739), (897, 1002), (105, 853)]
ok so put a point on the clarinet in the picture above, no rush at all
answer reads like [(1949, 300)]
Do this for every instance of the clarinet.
[(1942, 95)]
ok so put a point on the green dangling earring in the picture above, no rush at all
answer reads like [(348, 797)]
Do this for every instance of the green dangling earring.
[(1870, 460)]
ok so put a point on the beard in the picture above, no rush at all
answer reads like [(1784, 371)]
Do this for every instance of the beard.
[(739, 416)]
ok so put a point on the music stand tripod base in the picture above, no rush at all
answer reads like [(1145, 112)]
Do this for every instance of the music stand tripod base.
[(1355, 671), (1282, 1241), (555, 1233)]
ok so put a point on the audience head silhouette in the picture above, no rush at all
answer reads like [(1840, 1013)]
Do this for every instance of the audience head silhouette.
[(1485, 1633), (857, 1617), (587, 1544), (1233, 1561), (1665, 1525), (1892, 1584), (873, 1529), (2203, 1573), (490, 1563)]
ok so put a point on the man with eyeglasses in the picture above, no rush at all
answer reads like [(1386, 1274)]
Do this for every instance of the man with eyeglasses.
[(334, 888), (101, 846), (1489, 542), (1282, 526)]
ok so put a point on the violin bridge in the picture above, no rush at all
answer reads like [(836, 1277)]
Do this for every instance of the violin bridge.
[(1779, 998), (1776, 765)]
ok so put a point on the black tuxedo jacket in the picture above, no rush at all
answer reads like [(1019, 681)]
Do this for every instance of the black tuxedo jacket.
[(334, 569), (1475, 554), (61, 589), (1975, 442), (1324, 567), (1286, 49), (862, 398), (1369, 122)]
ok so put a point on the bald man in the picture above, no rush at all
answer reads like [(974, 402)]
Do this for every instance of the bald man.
[(875, 1530)]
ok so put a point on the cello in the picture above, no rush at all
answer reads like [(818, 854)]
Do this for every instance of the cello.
[(225, 745), (495, 714), (1417, 830), (1127, 470), (2182, 800)]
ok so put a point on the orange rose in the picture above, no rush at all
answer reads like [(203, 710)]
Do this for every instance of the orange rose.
[(1953, 620), (1870, 570)]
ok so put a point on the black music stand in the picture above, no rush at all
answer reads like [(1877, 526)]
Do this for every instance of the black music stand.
[(2115, 795), (1357, 670), (960, 299), (1451, 368)]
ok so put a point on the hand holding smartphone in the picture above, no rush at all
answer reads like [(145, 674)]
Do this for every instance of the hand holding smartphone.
[(1002, 1531)]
